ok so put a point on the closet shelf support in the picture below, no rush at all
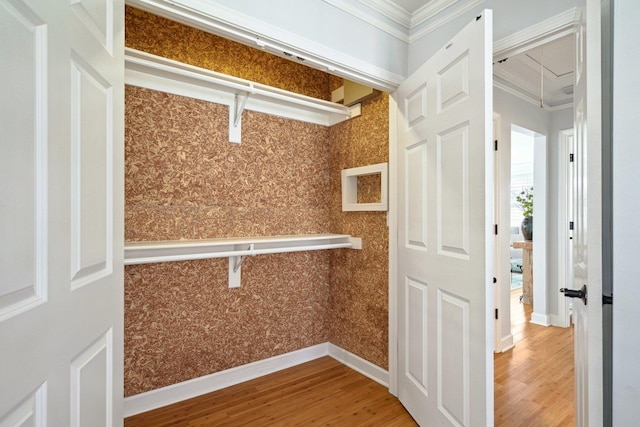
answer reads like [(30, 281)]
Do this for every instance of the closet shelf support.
[(235, 249), (235, 114)]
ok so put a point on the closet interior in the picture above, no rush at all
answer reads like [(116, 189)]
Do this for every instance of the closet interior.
[(210, 283)]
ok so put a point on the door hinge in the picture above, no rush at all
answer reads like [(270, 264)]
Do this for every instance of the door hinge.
[(495, 229), (571, 158), (495, 145), (570, 225), (496, 314)]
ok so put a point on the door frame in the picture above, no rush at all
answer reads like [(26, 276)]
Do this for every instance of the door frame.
[(551, 29), (565, 197)]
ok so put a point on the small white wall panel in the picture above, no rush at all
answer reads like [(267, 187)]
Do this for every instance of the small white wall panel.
[(416, 339), (453, 358), (453, 83), (453, 192), (416, 196), (91, 187), (92, 386), (23, 155), (97, 16), (31, 412), (416, 107)]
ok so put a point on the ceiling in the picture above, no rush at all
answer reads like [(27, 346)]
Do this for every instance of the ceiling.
[(412, 6), (519, 74)]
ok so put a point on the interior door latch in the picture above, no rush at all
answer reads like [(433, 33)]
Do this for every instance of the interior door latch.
[(573, 293)]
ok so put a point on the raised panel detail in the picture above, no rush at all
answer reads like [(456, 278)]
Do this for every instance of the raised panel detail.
[(416, 339), (97, 17), (453, 192), (30, 412), (92, 385), (23, 159), (91, 186), (453, 83), (416, 196), (453, 358), (416, 106)]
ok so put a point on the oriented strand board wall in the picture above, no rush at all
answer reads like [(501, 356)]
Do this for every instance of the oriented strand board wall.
[(360, 279), (162, 37), (184, 180)]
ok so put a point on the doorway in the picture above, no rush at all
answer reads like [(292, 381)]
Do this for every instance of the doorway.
[(536, 112), (528, 194), (521, 190)]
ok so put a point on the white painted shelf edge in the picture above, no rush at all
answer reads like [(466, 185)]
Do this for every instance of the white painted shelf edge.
[(158, 73), (185, 250)]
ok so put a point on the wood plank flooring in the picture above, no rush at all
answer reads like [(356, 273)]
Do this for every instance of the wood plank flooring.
[(534, 386), (534, 382), (321, 392)]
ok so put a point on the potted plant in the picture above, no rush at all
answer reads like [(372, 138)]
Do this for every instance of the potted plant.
[(524, 200)]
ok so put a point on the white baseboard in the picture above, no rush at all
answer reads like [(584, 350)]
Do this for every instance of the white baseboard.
[(506, 343), (540, 319), (556, 320), (164, 396), (359, 364)]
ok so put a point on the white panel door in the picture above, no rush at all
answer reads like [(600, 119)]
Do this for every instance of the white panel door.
[(445, 242), (587, 239), (61, 212)]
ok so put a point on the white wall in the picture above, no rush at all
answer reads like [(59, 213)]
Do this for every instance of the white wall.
[(518, 112), (560, 120), (626, 205), (318, 21), (509, 16)]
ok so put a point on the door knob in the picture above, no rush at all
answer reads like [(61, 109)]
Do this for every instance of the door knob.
[(572, 293)]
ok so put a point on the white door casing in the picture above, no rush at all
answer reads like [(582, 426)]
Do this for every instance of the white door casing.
[(445, 243), (587, 237), (566, 189), (61, 187)]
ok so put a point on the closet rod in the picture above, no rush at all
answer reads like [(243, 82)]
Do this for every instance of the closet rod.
[(226, 254)]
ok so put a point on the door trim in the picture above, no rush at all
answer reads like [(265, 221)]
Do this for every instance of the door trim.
[(565, 274), (392, 220)]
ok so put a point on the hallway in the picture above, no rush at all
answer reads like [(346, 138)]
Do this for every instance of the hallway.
[(534, 382)]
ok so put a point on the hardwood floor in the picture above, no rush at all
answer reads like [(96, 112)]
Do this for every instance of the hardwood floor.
[(321, 392), (534, 386), (534, 382)]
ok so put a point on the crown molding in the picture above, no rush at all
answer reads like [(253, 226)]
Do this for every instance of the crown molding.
[(395, 13), (430, 10), (536, 35), (369, 19), (525, 96), (391, 11), (401, 16), (445, 19), (225, 22)]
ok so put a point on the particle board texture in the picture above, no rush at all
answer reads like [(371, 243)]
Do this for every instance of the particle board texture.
[(184, 180), (160, 36), (183, 322), (359, 297)]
